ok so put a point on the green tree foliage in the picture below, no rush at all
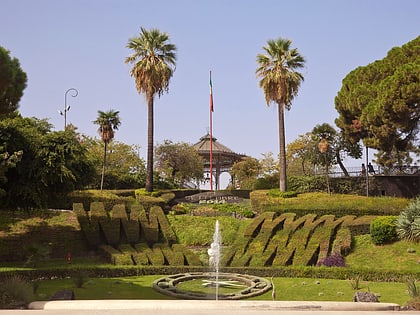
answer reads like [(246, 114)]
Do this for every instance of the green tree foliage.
[(179, 163), (7, 161), (246, 172), (12, 82), (125, 168), (299, 155), (379, 103), (108, 122), (153, 60), (53, 163), (338, 148), (280, 82), (304, 156), (269, 165)]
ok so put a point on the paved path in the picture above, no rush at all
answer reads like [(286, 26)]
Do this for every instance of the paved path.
[(205, 307)]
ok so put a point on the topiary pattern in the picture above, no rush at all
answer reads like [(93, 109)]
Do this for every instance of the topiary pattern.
[(136, 237), (284, 240), (143, 237)]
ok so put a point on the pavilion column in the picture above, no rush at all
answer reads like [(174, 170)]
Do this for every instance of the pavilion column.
[(217, 177)]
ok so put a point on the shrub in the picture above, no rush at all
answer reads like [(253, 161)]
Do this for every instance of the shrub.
[(15, 292), (412, 288), (79, 278), (334, 260), (355, 282), (408, 222), (37, 253), (282, 194), (382, 230)]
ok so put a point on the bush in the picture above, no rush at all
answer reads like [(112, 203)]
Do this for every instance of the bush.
[(79, 278), (335, 260), (408, 222), (282, 194), (382, 230), (15, 292)]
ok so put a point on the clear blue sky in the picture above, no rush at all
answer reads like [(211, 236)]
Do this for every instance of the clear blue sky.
[(82, 44)]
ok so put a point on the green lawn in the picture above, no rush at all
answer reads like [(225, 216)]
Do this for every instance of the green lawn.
[(399, 256), (287, 289)]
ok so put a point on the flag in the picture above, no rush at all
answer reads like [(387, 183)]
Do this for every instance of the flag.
[(211, 95)]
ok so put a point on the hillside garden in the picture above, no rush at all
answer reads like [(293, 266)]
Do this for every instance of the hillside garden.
[(311, 243)]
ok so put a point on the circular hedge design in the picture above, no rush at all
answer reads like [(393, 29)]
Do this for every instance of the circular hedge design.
[(250, 286)]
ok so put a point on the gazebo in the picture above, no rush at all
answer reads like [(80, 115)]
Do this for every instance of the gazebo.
[(223, 158)]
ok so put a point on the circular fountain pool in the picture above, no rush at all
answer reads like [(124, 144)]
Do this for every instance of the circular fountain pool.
[(201, 286)]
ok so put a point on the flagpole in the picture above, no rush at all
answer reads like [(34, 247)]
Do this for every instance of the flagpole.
[(211, 135)]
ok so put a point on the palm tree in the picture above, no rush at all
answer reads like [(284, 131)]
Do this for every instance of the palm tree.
[(280, 82), (108, 122), (153, 60)]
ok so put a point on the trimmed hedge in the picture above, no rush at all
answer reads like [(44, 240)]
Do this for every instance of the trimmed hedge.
[(382, 230), (282, 240), (288, 272), (322, 203)]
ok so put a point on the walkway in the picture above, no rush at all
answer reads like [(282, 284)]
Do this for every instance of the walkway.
[(204, 307)]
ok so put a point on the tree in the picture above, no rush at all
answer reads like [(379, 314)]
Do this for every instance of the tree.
[(52, 163), (179, 163), (108, 122), (124, 168), (269, 165), (299, 155), (12, 83), (153, 60), (338, 147), (246, 172), (7, 161), (280, 82), (379, 104)]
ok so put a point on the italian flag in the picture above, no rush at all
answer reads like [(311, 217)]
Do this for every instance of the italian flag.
[(211, 95)]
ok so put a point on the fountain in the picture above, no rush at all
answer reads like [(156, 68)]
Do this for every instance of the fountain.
[(214, 255), (248, 286)]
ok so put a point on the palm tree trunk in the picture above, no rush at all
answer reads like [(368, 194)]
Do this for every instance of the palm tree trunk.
[(103, 166), (282, 151), (149, 168)]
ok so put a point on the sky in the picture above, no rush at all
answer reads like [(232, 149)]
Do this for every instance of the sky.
[(81, 44)]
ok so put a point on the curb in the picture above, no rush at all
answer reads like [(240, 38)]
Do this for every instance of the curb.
[(150, 305)]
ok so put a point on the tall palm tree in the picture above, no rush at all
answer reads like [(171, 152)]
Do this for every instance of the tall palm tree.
[(153, 60), (108, 122), (280, 82)]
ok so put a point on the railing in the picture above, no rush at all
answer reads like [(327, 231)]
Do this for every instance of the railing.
[(357, 171)]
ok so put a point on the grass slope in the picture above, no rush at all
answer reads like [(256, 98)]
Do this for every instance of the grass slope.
[(287, 289)]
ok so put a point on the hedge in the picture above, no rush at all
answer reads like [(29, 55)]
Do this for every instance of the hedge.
[(287, 272)]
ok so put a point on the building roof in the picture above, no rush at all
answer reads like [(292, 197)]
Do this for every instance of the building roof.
[(203, 146), (223, 157)]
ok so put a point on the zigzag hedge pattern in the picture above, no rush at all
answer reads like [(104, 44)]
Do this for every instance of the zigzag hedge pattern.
[(146, 238), (133, 237), (284, 240)]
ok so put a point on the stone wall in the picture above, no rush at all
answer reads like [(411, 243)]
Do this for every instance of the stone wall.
[(396, 186)]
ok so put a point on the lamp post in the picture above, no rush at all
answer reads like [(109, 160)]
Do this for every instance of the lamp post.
[(67, 108)]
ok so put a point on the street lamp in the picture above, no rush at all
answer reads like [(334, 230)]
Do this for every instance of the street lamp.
[(67, 108)]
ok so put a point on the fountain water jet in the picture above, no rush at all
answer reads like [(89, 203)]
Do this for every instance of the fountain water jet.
[(248, 285), (214, 254)]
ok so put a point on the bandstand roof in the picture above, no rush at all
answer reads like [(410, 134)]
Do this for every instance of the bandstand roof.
[(203, 146), (222, 155)]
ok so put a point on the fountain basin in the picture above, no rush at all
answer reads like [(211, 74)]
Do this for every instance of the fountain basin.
[(242, 286)]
